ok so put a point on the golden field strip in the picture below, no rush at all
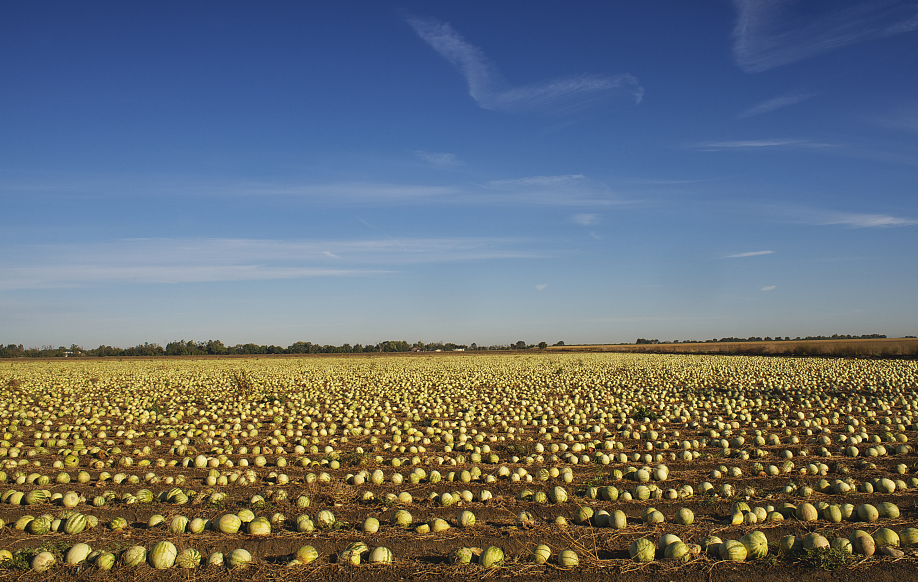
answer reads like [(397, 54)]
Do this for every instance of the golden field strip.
[(881, 348)]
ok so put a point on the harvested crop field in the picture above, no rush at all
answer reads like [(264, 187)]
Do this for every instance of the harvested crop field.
[(498, 454)]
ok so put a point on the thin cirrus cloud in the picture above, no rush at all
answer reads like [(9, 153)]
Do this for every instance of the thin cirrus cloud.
[(760, 144), (772, 105), (491, 91), (749, 254), (586, 219), (441, 160), (562, 190), (769, 34), (903, 119), (861, 220), (769, 288), (818, 217), (157, 261)]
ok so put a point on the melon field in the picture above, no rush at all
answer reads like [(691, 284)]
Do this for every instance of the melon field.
[(459, 467)]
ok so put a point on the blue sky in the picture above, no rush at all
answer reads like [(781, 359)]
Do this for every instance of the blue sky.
[(471, 172)]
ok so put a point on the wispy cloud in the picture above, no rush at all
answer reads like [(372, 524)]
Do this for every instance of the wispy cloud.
[(586, 219), (491, 91), (749, 254), (769, 33), (364, 192), (563, 190), (441, 160), (851, 219), (151, 261), (540, 181), (769, 288), (772, 105), (541, 287), (862, 220), (760, 144), (903, 119)]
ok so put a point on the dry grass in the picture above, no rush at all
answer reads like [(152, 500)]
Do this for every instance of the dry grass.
[(877, 348)]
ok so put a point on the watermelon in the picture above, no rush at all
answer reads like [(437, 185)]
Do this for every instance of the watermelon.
[(380, 555), (163, 555)]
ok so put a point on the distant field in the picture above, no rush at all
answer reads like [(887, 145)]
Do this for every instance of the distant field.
[(884, 348)]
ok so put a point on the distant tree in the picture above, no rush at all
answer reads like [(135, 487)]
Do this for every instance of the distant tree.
[(215, 347), (542, 345)]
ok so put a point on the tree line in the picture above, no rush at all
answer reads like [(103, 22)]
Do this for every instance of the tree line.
[(218, 348)]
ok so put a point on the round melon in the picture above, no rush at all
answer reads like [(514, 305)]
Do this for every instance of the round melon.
[(886, 537), (466, 519), (178, 525), (558, 494), (909, 537), (325, 519), (40, 525), (541, 554), (36, 496), (813, 541), (888, 510), (239, 558), (401, 518), (618, 519), (464, 555), (733, 551), (197, 525), (667, 539), (163, 555), (677, 551), (867, 512), (105, 561), (229, 523), (43, 561), (642, 550), (260, 526), (806, 512), (70, 499), (492, 556), (790, 544), (584, 515), (134, 556), (189, 558), (568, 559), (352, 553), (75, 524), (842, 545), (380, 555), (863, 545), (305, 525), (77, 554), (832, 513), (306, 555), (685, 516), (756, 545)]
